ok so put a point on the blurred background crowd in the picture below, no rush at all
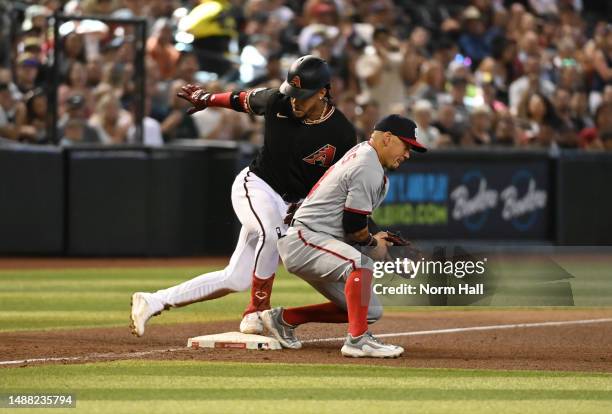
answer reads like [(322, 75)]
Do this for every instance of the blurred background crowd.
[(533, 73)]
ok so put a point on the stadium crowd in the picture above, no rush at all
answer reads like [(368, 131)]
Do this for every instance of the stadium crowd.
[(533, 73)]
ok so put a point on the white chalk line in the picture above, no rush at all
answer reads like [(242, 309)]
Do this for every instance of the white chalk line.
[(111, 355), (473, 328)]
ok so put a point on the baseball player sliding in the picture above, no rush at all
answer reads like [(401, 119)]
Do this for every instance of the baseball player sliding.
[(321, 246), (304, 135)]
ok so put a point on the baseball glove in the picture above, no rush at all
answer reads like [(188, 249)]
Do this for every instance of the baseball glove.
[(396, 239), (402, 248)]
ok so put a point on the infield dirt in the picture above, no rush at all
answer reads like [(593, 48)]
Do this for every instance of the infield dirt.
[(567, 347)]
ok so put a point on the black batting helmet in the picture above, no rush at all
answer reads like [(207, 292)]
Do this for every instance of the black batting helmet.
[(306, 76)]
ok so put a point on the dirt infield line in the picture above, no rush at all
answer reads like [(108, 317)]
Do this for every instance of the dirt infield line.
[(110, 355), (473, 328), (130, 355)]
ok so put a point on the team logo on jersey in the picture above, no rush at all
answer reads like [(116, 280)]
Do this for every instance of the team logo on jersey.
[(295, 82), (322, 157)]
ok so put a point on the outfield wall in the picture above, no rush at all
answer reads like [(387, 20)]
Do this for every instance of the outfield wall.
[(175, 200)]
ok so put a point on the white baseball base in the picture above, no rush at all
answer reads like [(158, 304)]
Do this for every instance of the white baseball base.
[(234, 340)]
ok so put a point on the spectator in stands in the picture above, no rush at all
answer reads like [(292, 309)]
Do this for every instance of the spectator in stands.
[(479, 130), (422, 111), (73, 51), (35, 21), (99, 7), (178, 124), (602, 59), (458, 89), (186, 68), (73, 133), (151, 132), (75, 84), (26, 73), (562, 104), (157, 91), (93, 68), (213, 27), (34, 128), (579, 106), (450, 129), (117, 79), (161, 48), (430, 84), (110, 121), (33, 46), (541, 126), (489, 94), (530, 81), (607, 94), (505, 133), (368, 114), (419, 51), (503, 65), (599, 136), (348, 106), (380, 71), (272, 74), (130, 9), (11, 113), (473, 42), (76, 111)]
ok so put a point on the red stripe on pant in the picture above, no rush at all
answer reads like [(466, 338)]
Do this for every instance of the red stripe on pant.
[(323, 249)]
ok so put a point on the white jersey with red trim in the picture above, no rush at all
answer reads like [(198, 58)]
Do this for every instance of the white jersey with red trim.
[(356, 183)]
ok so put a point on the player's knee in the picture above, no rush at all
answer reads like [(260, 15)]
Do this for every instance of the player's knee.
[(375, 313), (240, 283)]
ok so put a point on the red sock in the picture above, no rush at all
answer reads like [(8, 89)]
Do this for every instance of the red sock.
[(357, 291), (261, 290), (324, 312)]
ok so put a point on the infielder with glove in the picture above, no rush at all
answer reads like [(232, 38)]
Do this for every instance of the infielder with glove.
[(304, 135), (322, 245)]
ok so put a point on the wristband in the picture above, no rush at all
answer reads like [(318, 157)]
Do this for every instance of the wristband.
[(369, 242)]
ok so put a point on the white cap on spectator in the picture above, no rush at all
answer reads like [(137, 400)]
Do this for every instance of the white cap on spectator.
[(471, 13), (422, 105), (32, 12), (481, 109)]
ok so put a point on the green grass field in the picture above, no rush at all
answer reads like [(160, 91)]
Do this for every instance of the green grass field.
[(54, 299), (71, 298), (186, 387)]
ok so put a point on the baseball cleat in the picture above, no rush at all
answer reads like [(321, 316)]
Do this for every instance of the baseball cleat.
[(366, 345), (141, 313), (251, 324), (285, 333)]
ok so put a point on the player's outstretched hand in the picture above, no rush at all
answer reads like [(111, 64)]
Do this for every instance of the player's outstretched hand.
[(196, 96)]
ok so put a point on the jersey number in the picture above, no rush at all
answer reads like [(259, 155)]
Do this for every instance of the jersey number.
[(350, 155)]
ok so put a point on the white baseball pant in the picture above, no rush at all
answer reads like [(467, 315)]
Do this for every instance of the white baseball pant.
[(261, 212)]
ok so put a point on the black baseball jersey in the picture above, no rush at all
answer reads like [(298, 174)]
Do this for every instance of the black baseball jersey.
[(295, 154)]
